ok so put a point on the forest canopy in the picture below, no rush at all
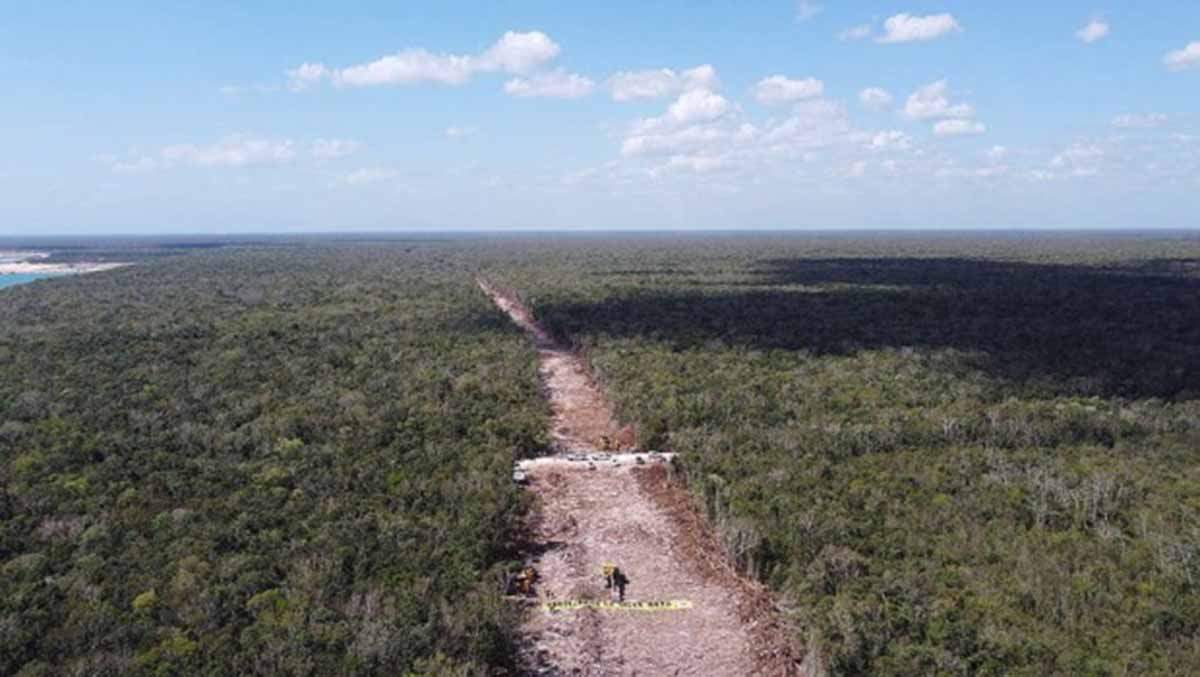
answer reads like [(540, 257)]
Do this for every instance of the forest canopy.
[(283, 460), (944, 453), (948, 454)]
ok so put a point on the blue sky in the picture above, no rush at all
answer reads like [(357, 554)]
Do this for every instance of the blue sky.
[(140, 117)]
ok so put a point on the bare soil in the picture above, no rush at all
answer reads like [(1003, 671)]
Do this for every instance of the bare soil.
[(632, 515), (583, 418)]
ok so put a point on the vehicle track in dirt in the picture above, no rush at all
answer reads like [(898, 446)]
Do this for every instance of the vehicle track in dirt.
[(592, 509)]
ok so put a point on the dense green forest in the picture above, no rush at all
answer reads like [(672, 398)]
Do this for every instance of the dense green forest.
[(949, 454), (261, 459)]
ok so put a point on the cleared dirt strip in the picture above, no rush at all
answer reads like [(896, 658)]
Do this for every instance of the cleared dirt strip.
[(595, 509)]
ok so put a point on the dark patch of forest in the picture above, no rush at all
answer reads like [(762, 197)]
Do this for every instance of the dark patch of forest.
[(283, 460), (947, 454)]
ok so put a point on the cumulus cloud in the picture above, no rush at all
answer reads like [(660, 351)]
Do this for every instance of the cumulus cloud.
[(976, 173), (931, 102), (656, 83), (875, 99), (813, 124), (890, 140), (997, 153), (1096, 29), (306, 75), (859, 32), (330, 149), (1180, 59), (781, 89), (702, 133), (700, 105), (1078, 160), (909, 28), (519, 52), (514, 53), (407, 67), (1139, 120), (699, 163), (557, 84), (461, 132), (958, 128), (671, 141), (233, 151), (689, 124)]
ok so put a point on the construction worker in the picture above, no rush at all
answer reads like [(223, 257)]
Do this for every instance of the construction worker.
[(526, 579), (615, 581), (522, 582)]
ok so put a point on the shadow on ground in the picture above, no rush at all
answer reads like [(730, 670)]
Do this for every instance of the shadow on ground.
[(1131, 330)]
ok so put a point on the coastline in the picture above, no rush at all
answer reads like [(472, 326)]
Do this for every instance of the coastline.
[(27, 263), (25, 268)]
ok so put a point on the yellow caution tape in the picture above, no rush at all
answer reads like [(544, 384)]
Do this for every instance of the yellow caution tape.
[(572, 605)]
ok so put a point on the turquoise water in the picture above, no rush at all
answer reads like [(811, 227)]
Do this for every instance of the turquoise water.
[(13, 280)]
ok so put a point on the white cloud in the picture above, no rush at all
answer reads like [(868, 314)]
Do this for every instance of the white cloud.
[(686, 126), (806, 9), (1096, 29), (977, 173), (891, 140), (370, 175), (989, 172), (519, 52), (931, 102), (1139, 121), (958, 127), (234, 151), (652, 84), (330, 149), (306, 75), (699, 163), (909, 28), (557, 84), (813, 124), (997, 153), (780, 89), (671, 142), (702, 135), (515, 53), (1180, 59), (698, 105), (859, 32), (407, 67), (874, 98), (461, 132), (1079, 160), (1075, 154)]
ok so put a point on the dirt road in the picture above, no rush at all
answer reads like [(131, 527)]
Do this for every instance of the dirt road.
[(593, 511)]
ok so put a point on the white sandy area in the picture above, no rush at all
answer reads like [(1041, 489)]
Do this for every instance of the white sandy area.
[(28, 263)]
